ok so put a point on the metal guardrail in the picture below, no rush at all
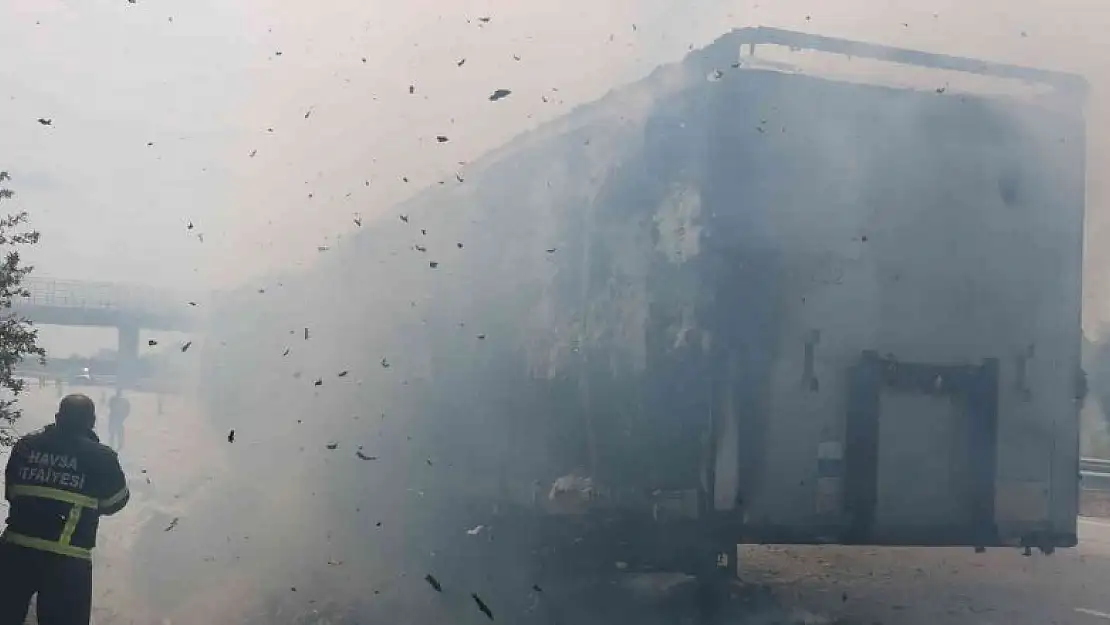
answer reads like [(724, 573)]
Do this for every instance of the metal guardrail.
[(1094, 474), (1097, 465)]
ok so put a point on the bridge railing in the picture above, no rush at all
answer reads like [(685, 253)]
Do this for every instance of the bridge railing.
[(90, 295)]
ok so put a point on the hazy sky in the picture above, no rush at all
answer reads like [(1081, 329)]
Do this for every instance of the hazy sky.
[(158, 106)]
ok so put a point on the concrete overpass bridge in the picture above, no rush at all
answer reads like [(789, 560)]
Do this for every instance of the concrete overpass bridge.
[(128, 308)]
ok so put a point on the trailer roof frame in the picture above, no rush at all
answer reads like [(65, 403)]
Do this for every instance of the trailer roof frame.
[(1071, 84)]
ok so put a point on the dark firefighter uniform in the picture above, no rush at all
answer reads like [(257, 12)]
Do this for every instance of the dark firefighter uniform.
[(58, 481)]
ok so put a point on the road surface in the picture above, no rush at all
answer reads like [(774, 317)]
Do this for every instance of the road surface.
[(867, 586), (174, 458), (864, 586)]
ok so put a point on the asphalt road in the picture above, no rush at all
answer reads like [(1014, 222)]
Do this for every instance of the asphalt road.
[(169, 455), (861, 586), (815, 586)]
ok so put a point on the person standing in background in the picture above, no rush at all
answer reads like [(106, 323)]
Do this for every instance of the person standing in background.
[(118, 410)]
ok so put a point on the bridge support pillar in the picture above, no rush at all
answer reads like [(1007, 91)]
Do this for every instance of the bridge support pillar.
[(127, 362)]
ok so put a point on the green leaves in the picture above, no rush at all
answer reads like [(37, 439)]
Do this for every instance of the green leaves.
[(18, 337)]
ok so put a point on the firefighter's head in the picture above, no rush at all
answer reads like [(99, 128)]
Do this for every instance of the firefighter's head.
[(76, 412)]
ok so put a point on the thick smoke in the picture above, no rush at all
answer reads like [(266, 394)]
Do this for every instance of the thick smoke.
[(396, 403), (409, 328)]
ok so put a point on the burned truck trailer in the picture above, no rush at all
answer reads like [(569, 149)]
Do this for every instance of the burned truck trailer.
[(894, 328), (783, 307), (741, 303)]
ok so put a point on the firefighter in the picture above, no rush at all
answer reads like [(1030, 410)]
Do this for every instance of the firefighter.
[(59, 481)]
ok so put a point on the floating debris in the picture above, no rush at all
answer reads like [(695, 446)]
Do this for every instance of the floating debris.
[(358, 220), (536, 587), (343, 373), (433, 582), (385, 363), (286, 352), (477, 530), (481, 337), (231, 436), (499, 94), (172, 524), (461, 62), (459, 245), (186, 346), (442, 139), (318, 382), (332, 446), (362, 456), (46, 122), (482, 605), (152, 342), (412, 89), (552, 250), (306, 334), (484, 20), (405, 218), (433, 264)]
